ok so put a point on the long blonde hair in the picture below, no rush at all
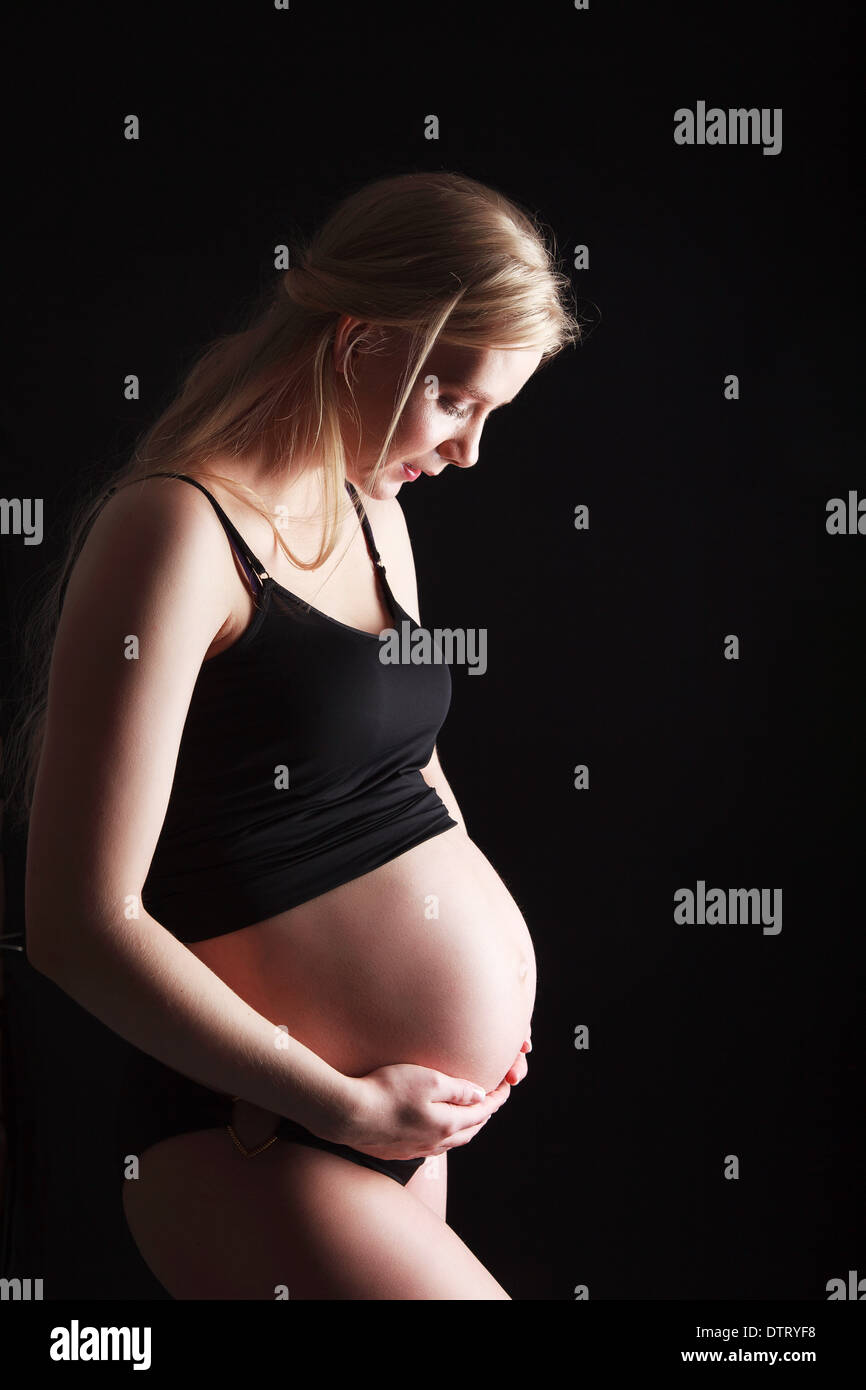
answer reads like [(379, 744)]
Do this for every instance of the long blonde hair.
[(421, 253)]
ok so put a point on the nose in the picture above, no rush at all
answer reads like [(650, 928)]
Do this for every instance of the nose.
[(462, 450)]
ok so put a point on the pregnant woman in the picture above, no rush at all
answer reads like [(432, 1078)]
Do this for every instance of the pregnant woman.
[(243, 855)]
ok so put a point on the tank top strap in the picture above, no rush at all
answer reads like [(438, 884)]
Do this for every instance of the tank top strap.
[(251, 563), (249, 560), (365, 524)]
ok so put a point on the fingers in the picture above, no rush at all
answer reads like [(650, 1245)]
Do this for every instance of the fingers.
[(465, 1132), (500, 1095), (516, 1073), (471, 1115), (460, 1092), (471, 1119), (461, 1137)]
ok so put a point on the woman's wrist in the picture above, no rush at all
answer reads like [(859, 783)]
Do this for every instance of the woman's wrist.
[(331, 1112)]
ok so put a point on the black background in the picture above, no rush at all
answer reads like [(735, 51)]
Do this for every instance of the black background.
[(707, 517)]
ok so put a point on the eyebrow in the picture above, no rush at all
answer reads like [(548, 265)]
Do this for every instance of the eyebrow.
[(470, 391)]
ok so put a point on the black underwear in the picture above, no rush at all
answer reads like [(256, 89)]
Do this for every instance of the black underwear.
[(158, 1102)]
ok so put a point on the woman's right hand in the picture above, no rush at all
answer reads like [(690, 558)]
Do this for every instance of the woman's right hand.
[(407, 1111)]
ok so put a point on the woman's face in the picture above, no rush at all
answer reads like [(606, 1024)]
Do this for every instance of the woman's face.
[(442, 420)]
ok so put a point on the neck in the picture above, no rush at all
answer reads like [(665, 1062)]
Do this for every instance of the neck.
[(297, 494)]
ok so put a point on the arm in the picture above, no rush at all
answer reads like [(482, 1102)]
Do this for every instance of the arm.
[(150, 569)]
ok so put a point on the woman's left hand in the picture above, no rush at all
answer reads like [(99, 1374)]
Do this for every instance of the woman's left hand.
[(519, 1067)]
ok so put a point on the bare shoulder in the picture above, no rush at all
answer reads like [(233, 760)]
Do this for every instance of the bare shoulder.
[(160, 501), (150, 521)]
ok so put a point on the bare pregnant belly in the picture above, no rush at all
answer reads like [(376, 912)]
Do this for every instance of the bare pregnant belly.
[(426, 959)]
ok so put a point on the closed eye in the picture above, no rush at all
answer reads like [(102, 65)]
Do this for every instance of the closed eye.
[(451, 408)]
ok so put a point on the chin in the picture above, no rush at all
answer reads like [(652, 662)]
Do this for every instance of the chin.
[(388, 485)]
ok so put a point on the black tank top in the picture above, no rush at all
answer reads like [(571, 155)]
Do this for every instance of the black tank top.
[(299, 763)]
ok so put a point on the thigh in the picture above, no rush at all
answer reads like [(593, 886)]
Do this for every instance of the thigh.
[(211, 1224), (430, 1183)]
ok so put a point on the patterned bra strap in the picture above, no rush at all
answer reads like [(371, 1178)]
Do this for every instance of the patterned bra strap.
[(365, 524)]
